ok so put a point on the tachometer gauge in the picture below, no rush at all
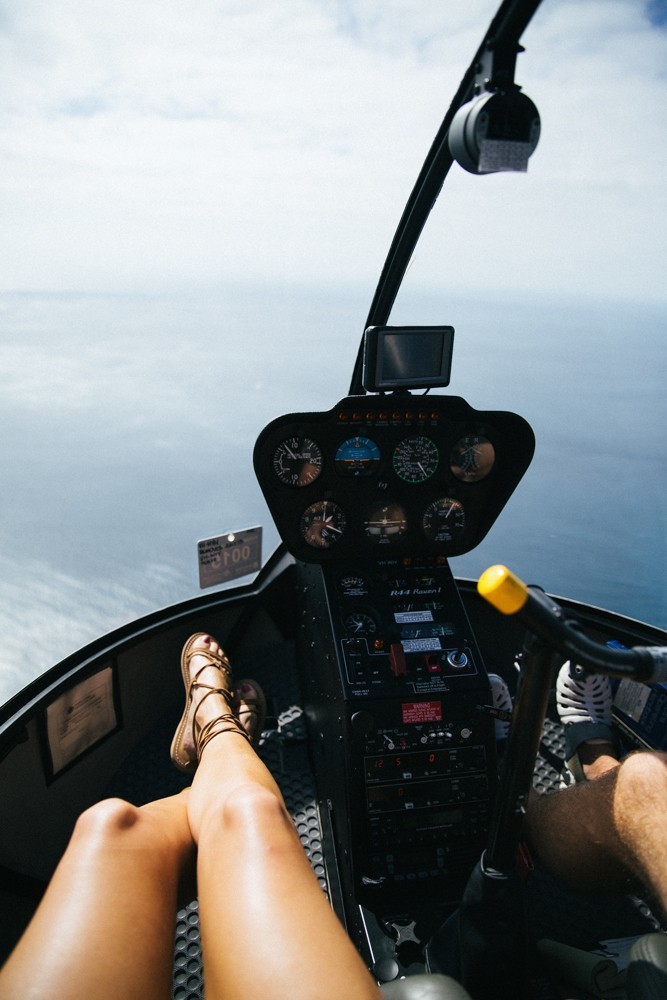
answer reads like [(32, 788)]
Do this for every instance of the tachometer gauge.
[(472, 458), (386, 523), (415, 459), (444, 520), (359, 623), (297, 461), (358, 456), (323, 524)]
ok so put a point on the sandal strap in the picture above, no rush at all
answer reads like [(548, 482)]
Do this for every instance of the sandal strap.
[(219, 662), (223, 724)]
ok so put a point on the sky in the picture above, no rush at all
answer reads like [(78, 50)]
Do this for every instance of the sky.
[(184, 185), (164, 145)]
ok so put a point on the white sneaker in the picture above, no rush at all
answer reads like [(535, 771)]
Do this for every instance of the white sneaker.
[(502, 700), (584, 698), (584, 705)]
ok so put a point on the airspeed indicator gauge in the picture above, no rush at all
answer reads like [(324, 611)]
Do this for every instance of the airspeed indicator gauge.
[(415, 459), (297, 461)]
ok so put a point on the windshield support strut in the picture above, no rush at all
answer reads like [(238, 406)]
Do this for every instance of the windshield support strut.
[(502, 38)]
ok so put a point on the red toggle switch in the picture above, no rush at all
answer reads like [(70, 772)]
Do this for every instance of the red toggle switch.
[(397, 659), (433, 663)]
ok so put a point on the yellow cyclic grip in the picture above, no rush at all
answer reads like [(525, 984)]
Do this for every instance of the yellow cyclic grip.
[(501, 588)]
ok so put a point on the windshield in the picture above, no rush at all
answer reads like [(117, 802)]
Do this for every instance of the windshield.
[(195, 214)]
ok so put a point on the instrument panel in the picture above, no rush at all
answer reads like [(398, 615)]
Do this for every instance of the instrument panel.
[(390, 475)]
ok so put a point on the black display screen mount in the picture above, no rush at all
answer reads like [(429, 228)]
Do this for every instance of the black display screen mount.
[(407, 357)]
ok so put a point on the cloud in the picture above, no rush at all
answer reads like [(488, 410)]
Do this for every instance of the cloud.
[(156, 144)]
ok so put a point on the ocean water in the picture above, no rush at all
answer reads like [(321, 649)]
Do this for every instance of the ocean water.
[(128, 424)]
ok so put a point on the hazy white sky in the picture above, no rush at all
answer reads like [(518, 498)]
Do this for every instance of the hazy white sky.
[(167, 144)]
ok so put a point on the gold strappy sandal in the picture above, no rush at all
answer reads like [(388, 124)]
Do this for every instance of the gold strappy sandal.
[(185, 752)]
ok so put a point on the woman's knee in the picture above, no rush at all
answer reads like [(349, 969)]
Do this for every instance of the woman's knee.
[(107, 821), (255, 809)]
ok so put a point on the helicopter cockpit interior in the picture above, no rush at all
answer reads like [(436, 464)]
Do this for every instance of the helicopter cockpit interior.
[(371, 498), (357, 628)]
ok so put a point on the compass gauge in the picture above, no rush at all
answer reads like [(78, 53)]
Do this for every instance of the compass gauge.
[(353, 586)]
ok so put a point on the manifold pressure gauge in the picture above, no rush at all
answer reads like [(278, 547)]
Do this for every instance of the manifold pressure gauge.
[(297, 461)]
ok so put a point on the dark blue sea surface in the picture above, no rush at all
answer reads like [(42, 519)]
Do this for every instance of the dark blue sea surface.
[(128, 424)]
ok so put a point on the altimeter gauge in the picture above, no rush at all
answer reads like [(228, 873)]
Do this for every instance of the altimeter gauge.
[(297, 461), (444, 520), (386, 523), (415, 459), (323, 524), (472, 458)]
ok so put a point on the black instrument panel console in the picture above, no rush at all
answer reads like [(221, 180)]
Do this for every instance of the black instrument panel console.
[(385, 476)]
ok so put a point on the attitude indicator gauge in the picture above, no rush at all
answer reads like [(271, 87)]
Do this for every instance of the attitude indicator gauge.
[(358, 456), (323, 524), (415, 459), (297, 461), (444, 520)]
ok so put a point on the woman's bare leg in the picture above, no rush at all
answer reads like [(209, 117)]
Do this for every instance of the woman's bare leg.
[(105, 928), (267, 928), (106, 925)]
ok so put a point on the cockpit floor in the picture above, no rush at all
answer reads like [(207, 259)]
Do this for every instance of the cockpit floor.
[(552, 911)]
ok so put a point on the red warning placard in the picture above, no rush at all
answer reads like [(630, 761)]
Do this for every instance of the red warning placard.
[(421, 711)]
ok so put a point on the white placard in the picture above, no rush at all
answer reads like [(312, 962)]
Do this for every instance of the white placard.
[(227, 557), (80, 718)]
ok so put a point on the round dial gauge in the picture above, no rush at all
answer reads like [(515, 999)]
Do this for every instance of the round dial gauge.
[(322, 524), (358, 456), (444, 520), (386, 523), (415, 459), (472, 458), (359, 623), (297, 461), (353, 586)]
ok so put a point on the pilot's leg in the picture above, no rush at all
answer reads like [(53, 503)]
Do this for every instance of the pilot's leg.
[(609, 833)]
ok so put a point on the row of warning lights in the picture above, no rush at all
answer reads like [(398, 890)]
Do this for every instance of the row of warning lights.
[(382, 416)]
